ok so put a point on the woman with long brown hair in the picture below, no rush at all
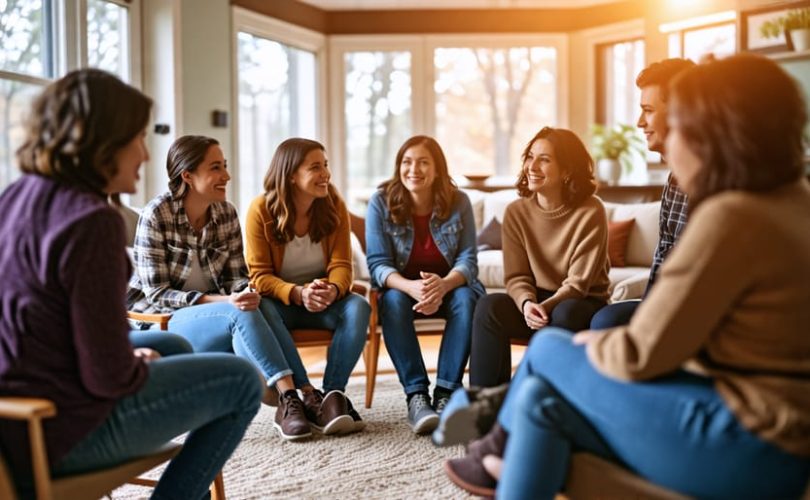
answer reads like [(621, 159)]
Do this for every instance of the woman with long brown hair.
[(300, 261), (420, 236)]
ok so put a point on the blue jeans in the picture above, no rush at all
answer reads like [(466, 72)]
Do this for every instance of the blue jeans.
[(221, 327), (617, 314), (212, 396), (347, 317), (675, 431), (167, 344), (396, 318)]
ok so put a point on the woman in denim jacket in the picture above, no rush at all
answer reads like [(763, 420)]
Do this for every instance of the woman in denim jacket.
[(420, 237)]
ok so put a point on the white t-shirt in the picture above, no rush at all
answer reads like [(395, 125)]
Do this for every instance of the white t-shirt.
[(197, 278), (303, 261)]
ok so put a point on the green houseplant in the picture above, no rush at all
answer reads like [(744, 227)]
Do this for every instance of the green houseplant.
[(613, 148), (795, 24)]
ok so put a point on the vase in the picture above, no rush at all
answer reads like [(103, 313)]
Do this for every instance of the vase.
[(800, 39), (609, 171)]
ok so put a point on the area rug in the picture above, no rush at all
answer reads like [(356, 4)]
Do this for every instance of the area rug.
[(386, 460)]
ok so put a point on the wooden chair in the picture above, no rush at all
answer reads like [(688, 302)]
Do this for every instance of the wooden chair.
[(87, 485)]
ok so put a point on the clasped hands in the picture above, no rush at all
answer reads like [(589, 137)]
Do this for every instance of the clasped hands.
[(535, 315), (315, 296), (428, 293)]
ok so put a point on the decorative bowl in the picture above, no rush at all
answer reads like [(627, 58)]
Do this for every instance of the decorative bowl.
[(476, 179)]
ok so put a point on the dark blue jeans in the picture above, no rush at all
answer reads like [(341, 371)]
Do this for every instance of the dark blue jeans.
[(167, 344), (396, 318), (212, 396), (347, 317), (617, 314), (675, 431)]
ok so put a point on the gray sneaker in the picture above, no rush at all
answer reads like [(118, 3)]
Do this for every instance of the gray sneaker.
[(421, 416)]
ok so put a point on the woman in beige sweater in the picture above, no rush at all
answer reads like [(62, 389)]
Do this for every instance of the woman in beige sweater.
[(554, 255), (707, 390)]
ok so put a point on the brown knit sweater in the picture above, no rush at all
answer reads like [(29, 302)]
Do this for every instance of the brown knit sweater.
[(563, 250), (732, 302)]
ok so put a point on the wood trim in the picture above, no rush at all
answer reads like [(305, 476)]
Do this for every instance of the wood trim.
[(357, 22)]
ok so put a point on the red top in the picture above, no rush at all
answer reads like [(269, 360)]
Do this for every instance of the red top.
[(425, 255)]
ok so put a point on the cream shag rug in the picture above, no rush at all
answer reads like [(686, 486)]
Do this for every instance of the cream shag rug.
[(386, 460)]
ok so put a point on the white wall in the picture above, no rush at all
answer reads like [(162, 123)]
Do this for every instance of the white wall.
[(187, 71)]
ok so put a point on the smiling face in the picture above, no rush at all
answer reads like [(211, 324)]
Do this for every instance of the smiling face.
[(417, 171), (543, 173), (312, 177), (653, 118), (128, 161), (210, 179)]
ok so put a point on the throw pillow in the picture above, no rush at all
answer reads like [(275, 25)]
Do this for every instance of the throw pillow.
[(490, 236), (618, 234)]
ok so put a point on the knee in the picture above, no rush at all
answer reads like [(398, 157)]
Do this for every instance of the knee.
[(613, 315), (357, 306), (489, 306), (395, 302), (537, 399), (247, 380), (462, 300), (549, 340)]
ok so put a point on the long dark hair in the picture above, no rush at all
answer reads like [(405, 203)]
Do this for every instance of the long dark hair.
[(572, 157), (278, 193), (397, 196), (78, 124), (185, 155), (743, 116)]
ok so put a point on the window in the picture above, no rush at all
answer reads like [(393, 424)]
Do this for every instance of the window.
[(278, 94), (617, 94), (482, 97), (489, 103), (39, 42), (698, 37), (377, 114)]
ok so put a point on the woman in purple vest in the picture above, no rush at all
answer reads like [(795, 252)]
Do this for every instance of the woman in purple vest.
[(63, 327)]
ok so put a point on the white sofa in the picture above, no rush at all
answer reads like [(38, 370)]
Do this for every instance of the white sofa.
[(626, 282)]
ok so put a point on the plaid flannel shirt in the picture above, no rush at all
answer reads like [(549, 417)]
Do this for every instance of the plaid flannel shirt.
[(164, 243), (671, 222)]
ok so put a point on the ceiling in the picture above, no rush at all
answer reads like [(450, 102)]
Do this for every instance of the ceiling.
[(451, 4)]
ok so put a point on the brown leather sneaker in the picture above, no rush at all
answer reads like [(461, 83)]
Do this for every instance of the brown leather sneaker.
[(359, 424), (328, 414), (291, 421)]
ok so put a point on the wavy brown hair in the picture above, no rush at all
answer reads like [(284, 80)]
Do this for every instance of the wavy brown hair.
[(185, 155), (397, 196), (572, 156), (78, 124), (743, 117), (278, 193)]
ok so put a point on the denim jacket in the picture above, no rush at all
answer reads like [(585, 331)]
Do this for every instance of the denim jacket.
[(388, 245)]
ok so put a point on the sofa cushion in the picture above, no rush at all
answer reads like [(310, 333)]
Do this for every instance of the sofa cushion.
[(644, 235), (618, 234), (477, 201), (490, 268), (495, 203), (359, 265), (490, 237)]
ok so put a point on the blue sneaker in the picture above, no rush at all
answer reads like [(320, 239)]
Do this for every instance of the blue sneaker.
[(469, 414)]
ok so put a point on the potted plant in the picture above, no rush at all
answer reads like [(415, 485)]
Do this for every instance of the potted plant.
[(614, 148), (795, 24)]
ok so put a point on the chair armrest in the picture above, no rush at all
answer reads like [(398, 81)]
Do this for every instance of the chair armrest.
[(361, 288), (161, 319), (630, 288), (16, 408)]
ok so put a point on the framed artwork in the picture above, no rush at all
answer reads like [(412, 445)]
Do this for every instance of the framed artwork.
[(751, 20)]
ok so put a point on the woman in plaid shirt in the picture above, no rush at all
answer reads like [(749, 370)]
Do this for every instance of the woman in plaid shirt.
[(189, 262), (300, 259)]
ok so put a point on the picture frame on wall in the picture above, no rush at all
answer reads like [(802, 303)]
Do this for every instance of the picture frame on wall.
[(751, 20)]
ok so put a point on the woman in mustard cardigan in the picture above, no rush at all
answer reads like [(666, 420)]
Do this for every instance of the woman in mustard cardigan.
[(299, 259)]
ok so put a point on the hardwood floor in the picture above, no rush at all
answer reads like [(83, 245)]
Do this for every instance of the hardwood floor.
[(314, 357)]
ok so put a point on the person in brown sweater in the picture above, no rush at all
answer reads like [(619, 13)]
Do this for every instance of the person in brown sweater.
[(706, 390), (554, 253)]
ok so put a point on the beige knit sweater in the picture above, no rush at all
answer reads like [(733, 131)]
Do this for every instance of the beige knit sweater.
[(563, 250), (732, 302)]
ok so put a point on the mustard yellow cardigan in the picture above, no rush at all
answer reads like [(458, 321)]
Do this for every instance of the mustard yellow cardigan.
[(265, 255)]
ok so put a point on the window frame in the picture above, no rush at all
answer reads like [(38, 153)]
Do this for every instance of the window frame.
[(423, 98)]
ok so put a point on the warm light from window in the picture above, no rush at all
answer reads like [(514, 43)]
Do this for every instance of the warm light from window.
[(695, 22)]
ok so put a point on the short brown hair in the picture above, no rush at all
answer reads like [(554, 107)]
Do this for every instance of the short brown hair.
[(78, 124), (444, 188), (744, 117), (572, 156), (185, 155), (278, 193), (661, 73)]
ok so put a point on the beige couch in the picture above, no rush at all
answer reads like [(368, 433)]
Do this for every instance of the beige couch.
[(626, 282)]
